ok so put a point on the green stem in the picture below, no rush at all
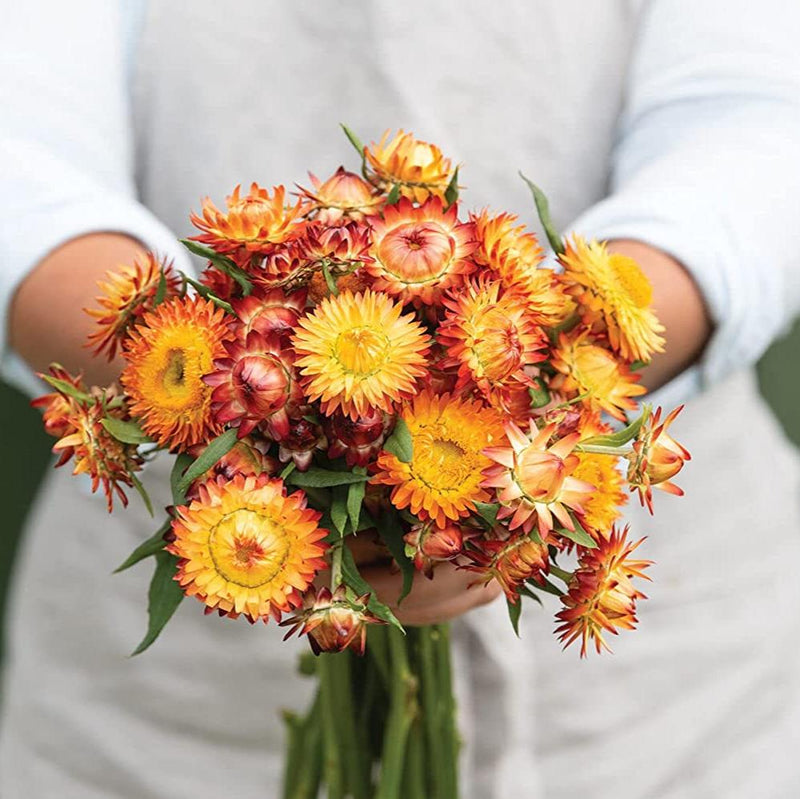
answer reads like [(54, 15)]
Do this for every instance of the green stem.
[(441, 638), (414, 783), (432, 710), (333, 773), (304, 765), (337, 698), (601, 449), (336, 566), (401, 714), (291, 774)]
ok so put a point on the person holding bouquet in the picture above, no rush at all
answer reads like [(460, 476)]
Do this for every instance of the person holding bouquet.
[(665, 127)]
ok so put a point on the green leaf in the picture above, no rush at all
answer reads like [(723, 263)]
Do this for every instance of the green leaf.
[(394, 195), (354, 140), (225, 265), (137, 484), (525, 591), (355, 496), (330, 280), (316, 477), (547, 587), (399, 442), (578, 535), (164, 597), (182, 463), (161, 291), (126, 432), (67, 388), (153, 545), (391, 534), (637, 365), (539, 395), (621, 437), (451, 192), (543, 209), (205, 291), (287, 470), (514, 612), (355, 581), (219, 447), (488, 512), (339, 509)]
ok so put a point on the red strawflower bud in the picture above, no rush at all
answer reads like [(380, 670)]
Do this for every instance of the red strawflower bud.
[(332, 622), (254, 385), (359, 440)]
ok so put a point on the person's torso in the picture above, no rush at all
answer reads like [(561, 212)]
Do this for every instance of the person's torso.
[(256, 90)]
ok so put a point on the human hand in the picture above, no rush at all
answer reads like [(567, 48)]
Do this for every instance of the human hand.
[(451, 593)]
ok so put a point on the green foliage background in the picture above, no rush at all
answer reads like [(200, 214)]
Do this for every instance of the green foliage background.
[(25, 449)]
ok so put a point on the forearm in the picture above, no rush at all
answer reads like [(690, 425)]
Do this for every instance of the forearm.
[(46, 319), (679, 306)]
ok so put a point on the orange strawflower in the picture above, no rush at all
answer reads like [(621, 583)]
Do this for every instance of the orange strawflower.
[(245, 547), (593, 373), (515, 255), (601, 597), (417, 168), (511, 562), (129, 291), (58, 407), (78, 426), (420, 252), (534, 481), (356, 352), (168, 355), (612, 291), (341, 248), (344, 194), (490, 338), (602, 507), (255, 223), (656, 458), (443, 479)]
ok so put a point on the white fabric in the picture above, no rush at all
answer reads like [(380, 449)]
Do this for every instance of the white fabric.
[(693, 128)]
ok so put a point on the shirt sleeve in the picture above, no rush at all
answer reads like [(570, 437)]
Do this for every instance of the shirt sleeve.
[(66, 145), (706, 166)]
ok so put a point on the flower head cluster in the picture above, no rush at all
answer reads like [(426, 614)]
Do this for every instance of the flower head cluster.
[(601, 597), (367, 357), (78, 416)]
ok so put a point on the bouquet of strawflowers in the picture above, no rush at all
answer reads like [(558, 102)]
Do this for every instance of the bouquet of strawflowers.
[(365, 363)]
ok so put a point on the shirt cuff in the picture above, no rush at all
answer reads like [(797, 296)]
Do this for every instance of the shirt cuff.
[(39, 234)]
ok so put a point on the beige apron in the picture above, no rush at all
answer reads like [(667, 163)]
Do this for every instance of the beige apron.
[(700, 702)]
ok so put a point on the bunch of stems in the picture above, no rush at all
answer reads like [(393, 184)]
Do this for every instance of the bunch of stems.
[(381, 726)]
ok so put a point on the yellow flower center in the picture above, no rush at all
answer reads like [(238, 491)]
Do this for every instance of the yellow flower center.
[(173, 374), (248, 548), (630, 280), (173, 371), (361, 351), (443, 462)]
